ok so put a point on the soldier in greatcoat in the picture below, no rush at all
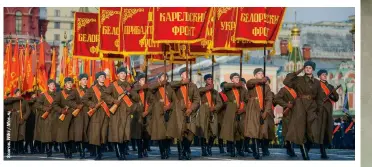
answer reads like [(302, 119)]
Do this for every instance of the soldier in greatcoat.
[(235, 106), (305, 107), (48, 117), (220, 115), (118, 93), (188, 102), (323, 127), (99, 114), (66, 102), (258, 110), (210, 104)]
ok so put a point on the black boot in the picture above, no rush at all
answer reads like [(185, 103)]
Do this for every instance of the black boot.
[(61, 146), (145, 146), (140, 148), (308, 146), (246, 145), (42, 148), (37, 146), (133, 142), (66, 149), (27, 144), (14, 147), (117, 150), (203, 148), (20, 147), (230, 145), (323, 152), (304, 152), (256, 149), (49, 149), (55, 146), (126, 144), (161, 149), (239, 144), (209, 146), (123, 150), (98, 152), (180, 150), (73, 147), (81, 150), (290, 150), (265, 147), (92, 150), (169, 143), (187, 149), (149, 145), (32, 147), (220, 145)]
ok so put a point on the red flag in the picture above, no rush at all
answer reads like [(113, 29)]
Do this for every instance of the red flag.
[(109, 69), (42, 76), (8, 57), (28, 76), (14, 68), (54, 65)]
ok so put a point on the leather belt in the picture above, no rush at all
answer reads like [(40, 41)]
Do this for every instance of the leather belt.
[(309, 97)]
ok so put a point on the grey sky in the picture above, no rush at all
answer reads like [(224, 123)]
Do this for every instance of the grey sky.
[(316, 14)]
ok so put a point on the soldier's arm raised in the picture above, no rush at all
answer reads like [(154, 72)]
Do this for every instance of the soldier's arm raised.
[(334, 95), (290, 80), (134, 93), (252, 83), (202, 90), (176, 84), (219, 103)]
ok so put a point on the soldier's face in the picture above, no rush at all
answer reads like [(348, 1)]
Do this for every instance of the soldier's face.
[(68, 85), (235, 79), (142, 81), (52, 86), (18, 94), (84, 82), (209, 81), (323, 77), (183, 75), (162, 78), (259, 75), (101, 78), (308, 70), (122, 75)]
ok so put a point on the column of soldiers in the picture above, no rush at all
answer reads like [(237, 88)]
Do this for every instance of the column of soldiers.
[(242, 114)]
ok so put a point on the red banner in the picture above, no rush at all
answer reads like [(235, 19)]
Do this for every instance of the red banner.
[(179, 24), (137, 31), (259, 24), (86, 36), (29, 77), (109, 30)]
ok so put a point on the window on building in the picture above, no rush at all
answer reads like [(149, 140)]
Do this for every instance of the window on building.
[(57, 25), (57, 13), (56, 37), (18, 22)]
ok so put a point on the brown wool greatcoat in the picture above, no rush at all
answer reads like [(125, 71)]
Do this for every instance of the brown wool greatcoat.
[(230, 129), (137, 127), (81, 121), (282, 98), (119, 124), (98, 122), (253, 128), (208, 121), (323, 128), (17, 128), (304, 109), (48, 126), (64, 132), (188, 129)]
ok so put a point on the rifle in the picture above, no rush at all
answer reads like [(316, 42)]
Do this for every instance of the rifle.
[(62, 116), (45, 115), (115, 106), (328, 96), (76, 112), (93, 110)]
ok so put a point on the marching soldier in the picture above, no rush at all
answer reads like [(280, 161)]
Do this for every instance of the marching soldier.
[(210, 104), (258, 110), (32, 127), (324, 122), (20, 112), (220, 115), (81, 118), (268, 129), (44, 107), (305, 107), (230, 130), (285, 98), (66, 102), (118, 95), (99, 114), (139, 94), (189, 101), (164, 100)]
